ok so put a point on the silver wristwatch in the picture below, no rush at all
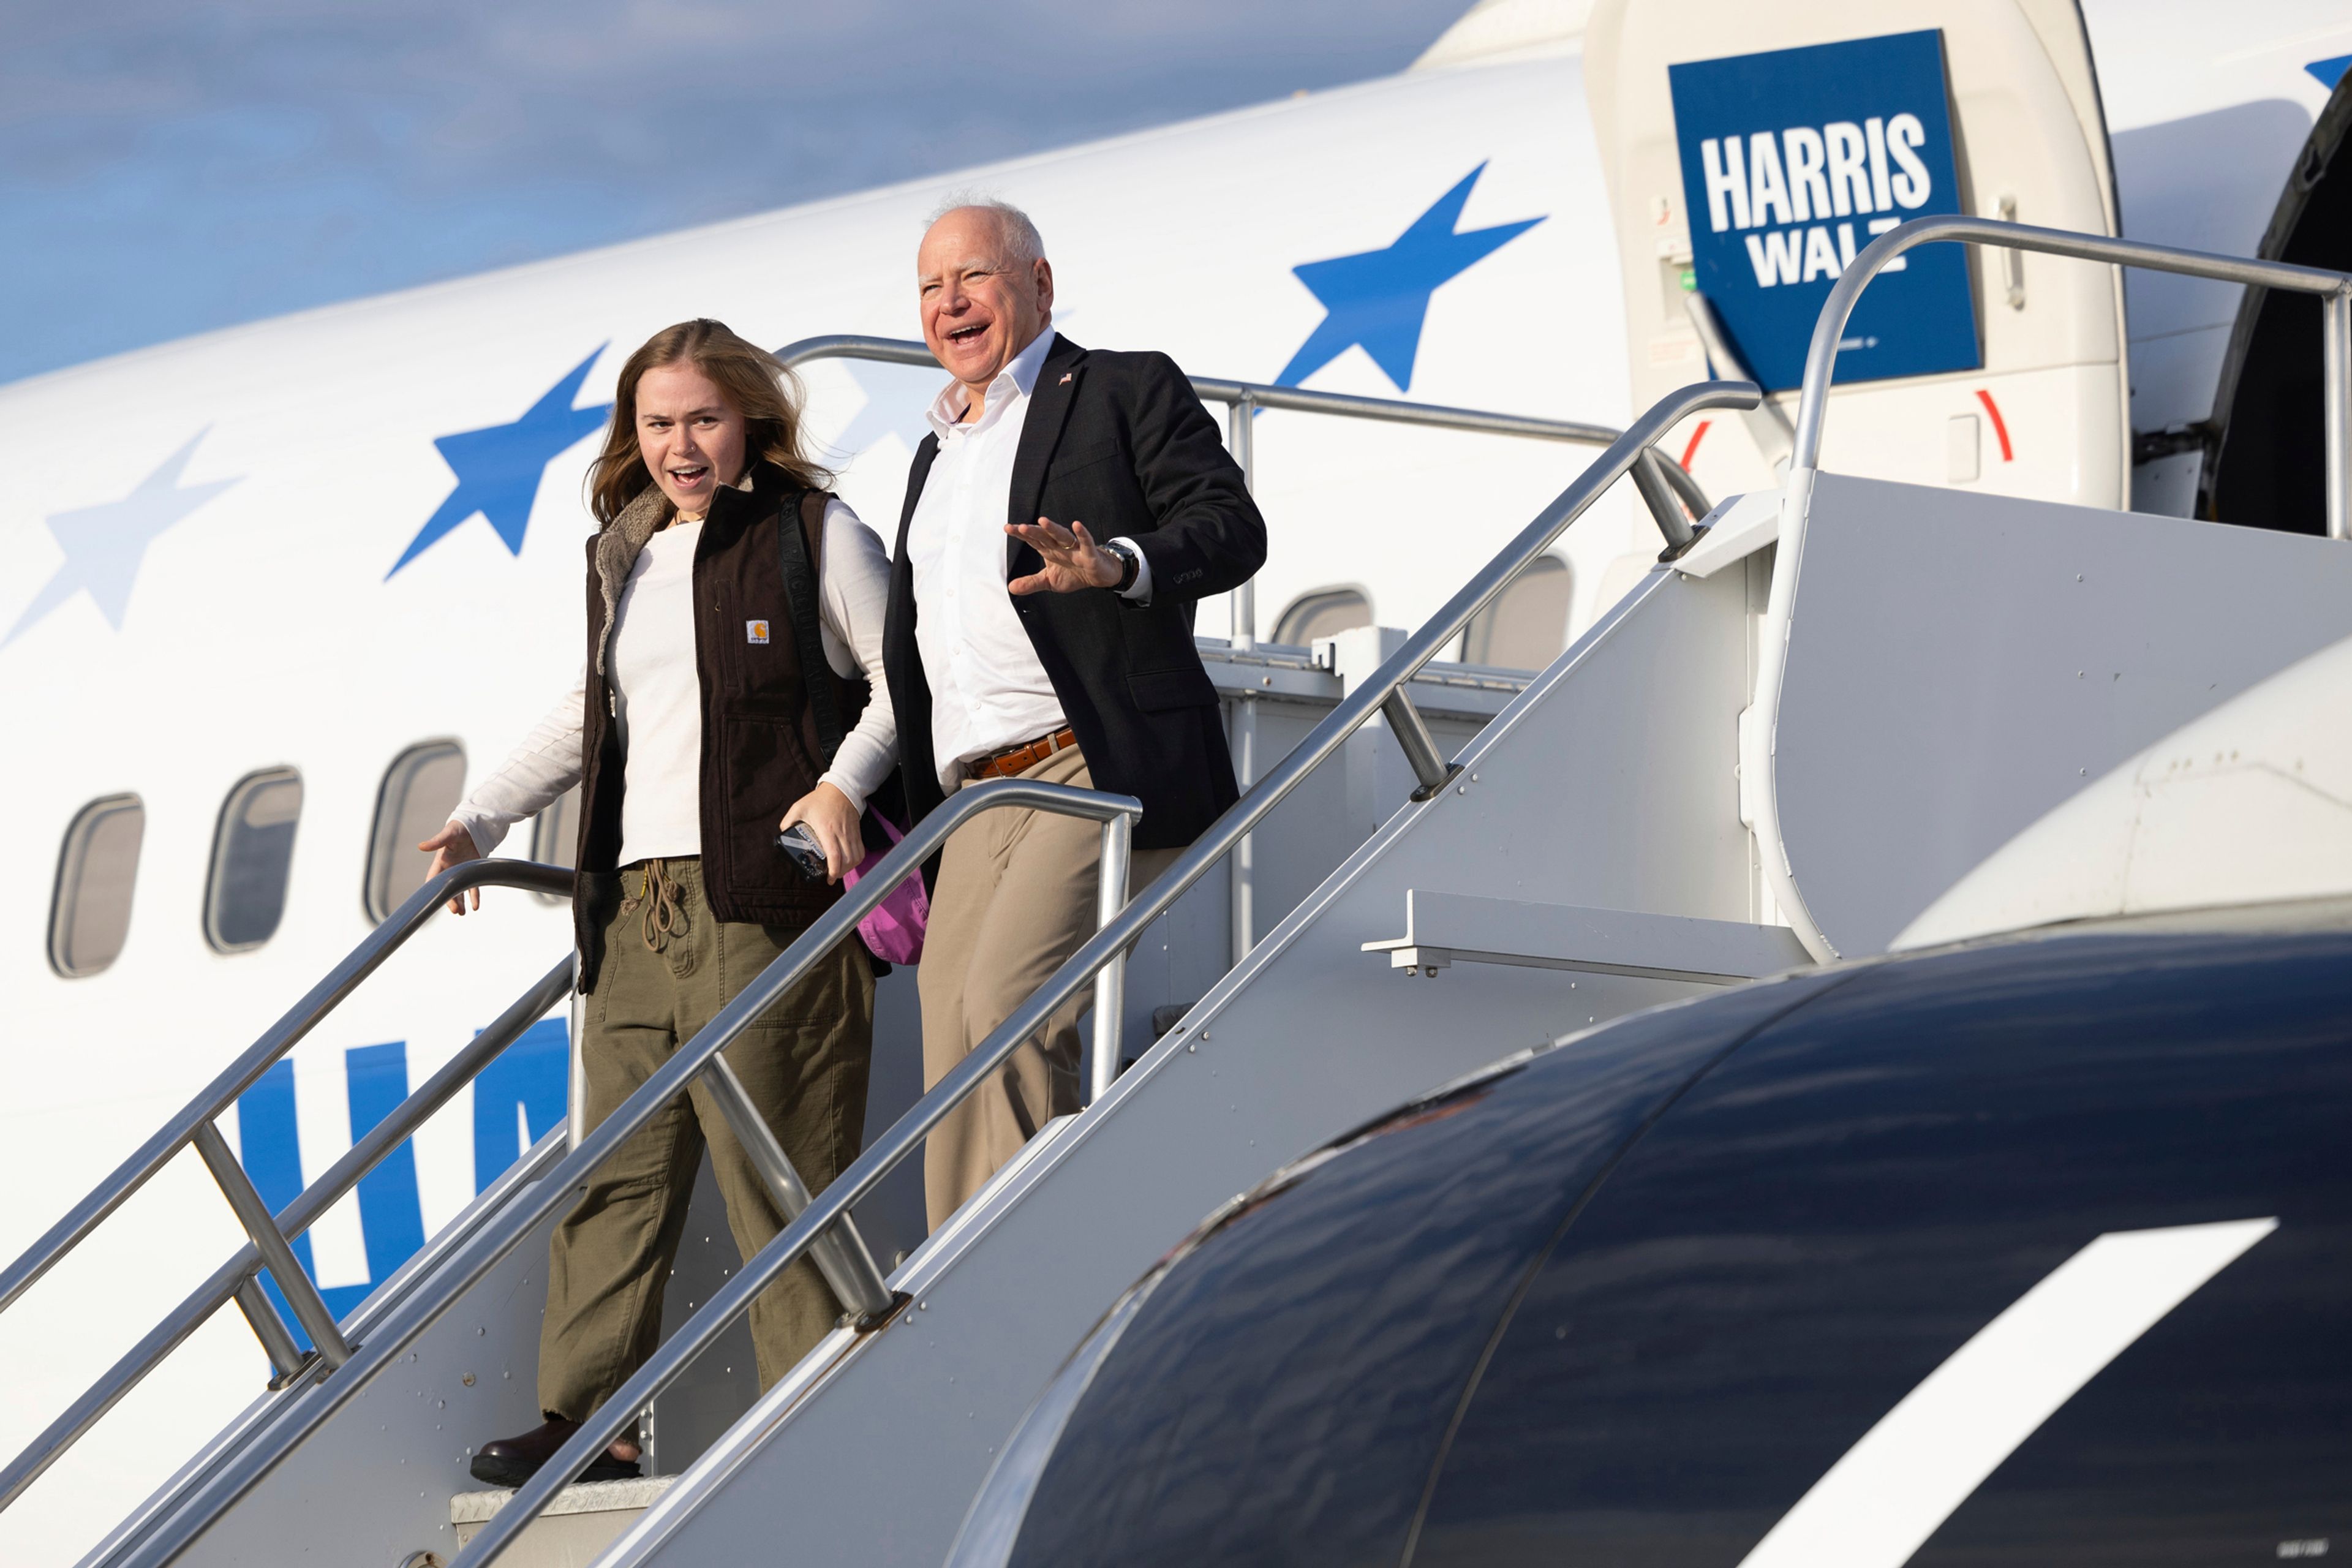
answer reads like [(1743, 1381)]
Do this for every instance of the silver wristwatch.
[(1130, 565)]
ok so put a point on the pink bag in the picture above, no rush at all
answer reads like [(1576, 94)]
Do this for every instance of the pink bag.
[(893, 928)]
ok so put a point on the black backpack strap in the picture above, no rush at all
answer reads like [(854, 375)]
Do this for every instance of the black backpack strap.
[(801, 598)]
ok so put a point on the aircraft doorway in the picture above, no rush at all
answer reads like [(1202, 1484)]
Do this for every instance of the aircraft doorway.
[(2269, 463)]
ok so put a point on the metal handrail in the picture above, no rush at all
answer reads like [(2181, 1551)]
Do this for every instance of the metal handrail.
[(1262, 394), (391, 1336), (1813, 408), (1243, 399), (408, 1278), (403, 1320), (2335, 290), (275, 1042), (237, 1275), (1384, 692)]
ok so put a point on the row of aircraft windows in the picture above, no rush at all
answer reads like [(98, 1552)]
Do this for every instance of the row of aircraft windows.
[(253, 855), (1524, 629), (253, 846)]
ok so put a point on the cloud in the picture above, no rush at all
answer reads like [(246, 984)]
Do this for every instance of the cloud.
[(167, 169)]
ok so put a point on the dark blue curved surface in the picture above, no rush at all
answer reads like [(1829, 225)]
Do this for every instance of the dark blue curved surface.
[(1514, 1327), (1864, 1185), (1283, 1393)]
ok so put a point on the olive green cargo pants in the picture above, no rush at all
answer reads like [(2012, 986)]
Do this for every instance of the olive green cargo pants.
[(669, 968)]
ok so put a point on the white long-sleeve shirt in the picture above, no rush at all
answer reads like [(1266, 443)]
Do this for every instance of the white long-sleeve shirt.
[(658, 696), (989, 690)]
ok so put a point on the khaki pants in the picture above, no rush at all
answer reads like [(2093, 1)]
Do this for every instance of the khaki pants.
[(804, 1066), (1015, 898)]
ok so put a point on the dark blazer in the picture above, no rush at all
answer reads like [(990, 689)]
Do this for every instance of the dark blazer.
[(1119, 442)]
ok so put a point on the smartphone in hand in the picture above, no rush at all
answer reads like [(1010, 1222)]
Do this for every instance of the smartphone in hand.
[(800, 846)]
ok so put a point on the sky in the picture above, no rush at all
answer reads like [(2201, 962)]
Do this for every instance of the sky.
[(168, 168)]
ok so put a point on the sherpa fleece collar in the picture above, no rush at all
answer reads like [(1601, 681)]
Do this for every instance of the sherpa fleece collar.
[(617, 548)]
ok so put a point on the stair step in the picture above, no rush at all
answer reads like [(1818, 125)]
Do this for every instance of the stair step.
[(585, 1517), (1444, 929)]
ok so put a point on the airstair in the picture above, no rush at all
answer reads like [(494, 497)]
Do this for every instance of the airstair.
[(1822, 706)]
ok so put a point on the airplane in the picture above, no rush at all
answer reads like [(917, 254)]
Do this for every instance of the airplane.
[(305, 577), (2017, 1243)]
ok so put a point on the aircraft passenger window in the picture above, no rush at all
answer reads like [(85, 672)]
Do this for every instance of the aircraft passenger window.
[(420, 790), (253, 855), (89, 913), (1526, 626), (1324, 614), (555, 837)]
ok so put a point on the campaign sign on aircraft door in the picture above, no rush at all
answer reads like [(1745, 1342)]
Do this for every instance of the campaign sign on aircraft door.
[(1794, 160)]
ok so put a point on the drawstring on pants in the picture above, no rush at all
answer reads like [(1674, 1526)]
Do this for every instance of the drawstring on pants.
[(664, 916)]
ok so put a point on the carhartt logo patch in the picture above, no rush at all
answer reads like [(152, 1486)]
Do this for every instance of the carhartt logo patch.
[(755, 631)]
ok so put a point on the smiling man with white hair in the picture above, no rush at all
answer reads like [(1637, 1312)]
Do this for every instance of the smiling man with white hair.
[(1063, 518)]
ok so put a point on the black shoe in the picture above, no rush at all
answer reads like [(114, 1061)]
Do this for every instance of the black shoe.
[(511, 1461)]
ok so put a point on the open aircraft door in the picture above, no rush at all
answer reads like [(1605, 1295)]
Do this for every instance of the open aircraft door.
[(1752, 150)]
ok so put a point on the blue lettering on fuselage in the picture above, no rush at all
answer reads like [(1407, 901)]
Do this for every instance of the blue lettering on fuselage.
[(518, 1099), (1795, 159)]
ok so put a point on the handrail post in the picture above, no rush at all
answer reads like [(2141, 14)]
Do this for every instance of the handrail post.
[(309, 1307), (1241, 440), (1110, 980), (1411, 732), (575, 1080), (1687, 488), (841, 1254), (1666, 506), (2337, 352), (287, 1360), (1241, 870)]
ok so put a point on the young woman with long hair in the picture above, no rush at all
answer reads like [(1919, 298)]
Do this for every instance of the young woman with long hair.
[(694, 734)]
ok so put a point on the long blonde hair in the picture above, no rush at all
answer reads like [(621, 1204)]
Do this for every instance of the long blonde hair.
[(761, 388)]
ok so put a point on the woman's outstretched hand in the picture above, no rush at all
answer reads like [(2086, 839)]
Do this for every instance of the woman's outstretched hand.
[(450, 847), (834, 820)]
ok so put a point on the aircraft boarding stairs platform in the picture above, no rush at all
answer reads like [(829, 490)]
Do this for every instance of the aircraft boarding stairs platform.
[(1816, 713)]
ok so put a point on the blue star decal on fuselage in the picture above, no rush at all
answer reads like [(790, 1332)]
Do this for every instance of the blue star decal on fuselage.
[(896, 396), (106, 544), (498, 465), (1379, 298)]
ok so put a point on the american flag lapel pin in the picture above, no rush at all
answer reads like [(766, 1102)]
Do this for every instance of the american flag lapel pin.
[(1064, 381)]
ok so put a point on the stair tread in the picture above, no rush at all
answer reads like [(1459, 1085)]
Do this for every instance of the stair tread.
[(580, 1497)]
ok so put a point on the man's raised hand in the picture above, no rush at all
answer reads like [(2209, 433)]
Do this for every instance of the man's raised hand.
[(1073, 560)]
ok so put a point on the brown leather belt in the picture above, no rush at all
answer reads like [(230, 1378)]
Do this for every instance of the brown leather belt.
[(1015, 760)]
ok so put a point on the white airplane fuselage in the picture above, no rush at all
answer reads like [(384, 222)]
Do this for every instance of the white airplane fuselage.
[(246, 550)]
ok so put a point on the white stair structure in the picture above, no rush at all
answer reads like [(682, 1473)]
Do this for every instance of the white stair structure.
[(1784, 743), (1936, 749)]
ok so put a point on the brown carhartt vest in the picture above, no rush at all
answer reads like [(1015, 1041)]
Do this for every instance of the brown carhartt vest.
[(760, 750)]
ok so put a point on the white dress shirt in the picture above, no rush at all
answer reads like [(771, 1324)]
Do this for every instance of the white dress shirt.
[(657, 693), (989, 692), (657, 699)]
